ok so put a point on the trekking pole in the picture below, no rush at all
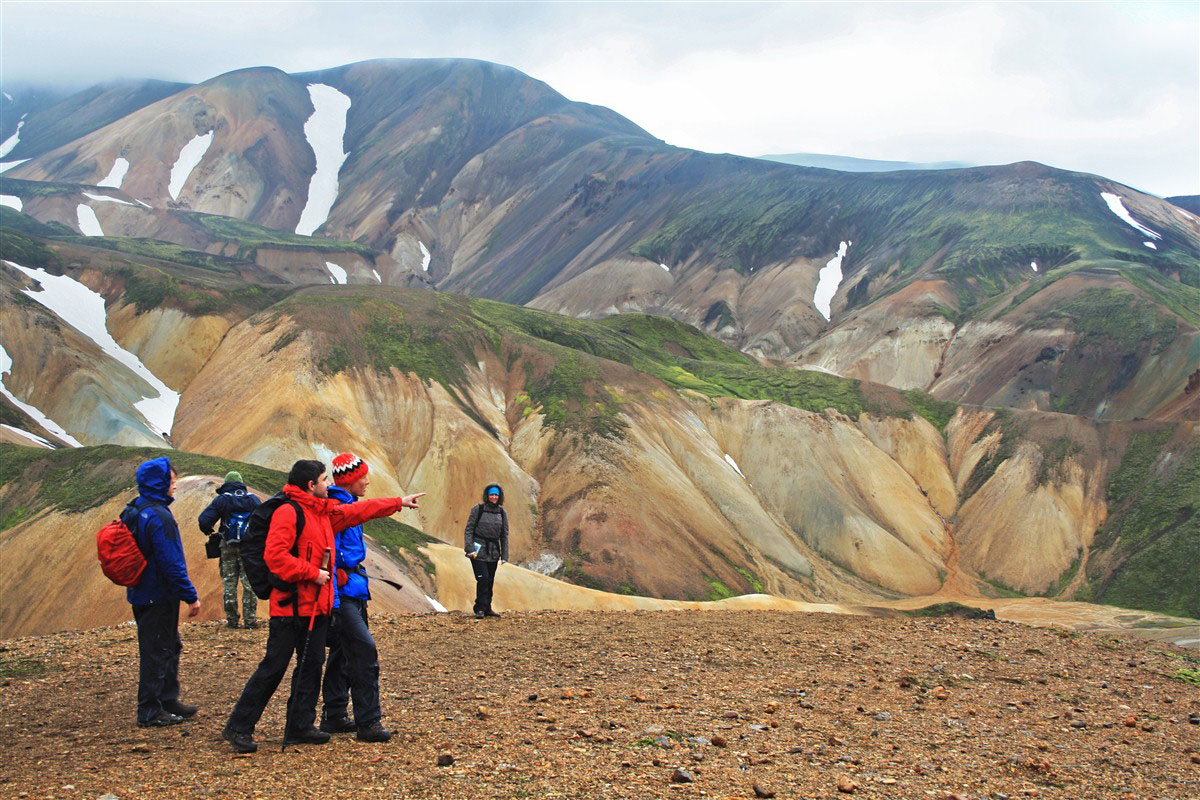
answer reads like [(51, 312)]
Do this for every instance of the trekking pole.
[(312, 618)]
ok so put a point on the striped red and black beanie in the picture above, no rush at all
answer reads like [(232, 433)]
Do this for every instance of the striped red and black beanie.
[(348, 468)]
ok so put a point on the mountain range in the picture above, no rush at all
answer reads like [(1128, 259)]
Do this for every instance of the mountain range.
[(696, 375)]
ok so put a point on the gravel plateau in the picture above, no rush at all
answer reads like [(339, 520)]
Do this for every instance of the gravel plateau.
[(635, 705)]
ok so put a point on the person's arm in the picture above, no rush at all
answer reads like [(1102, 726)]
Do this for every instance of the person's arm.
[(351, 514), (167, 551), (469, 532), (210, 516), (504, 537), (277, 552)]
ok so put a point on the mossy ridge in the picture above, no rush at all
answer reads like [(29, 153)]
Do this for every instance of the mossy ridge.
[(1152, 528), (164, 251), (249, 237)]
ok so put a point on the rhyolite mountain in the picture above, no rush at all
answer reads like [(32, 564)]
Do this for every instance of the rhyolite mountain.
[(639, 455), (1014, 350), (1018, 285)]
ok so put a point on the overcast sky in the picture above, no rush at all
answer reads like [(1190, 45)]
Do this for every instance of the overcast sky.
[(1111, 88)]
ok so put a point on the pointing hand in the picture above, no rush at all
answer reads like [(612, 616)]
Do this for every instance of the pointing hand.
[(411, 500)]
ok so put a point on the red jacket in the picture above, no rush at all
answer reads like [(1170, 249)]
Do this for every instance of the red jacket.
[(323, 517)]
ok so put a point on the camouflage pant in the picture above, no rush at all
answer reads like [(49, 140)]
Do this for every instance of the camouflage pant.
[(232, 571)]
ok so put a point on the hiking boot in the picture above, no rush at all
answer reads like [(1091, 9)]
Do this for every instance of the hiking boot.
[(180, 709), (490, 613), (231, 622), (478, 615), (242, 742), (342, 724), (251, 625), (375, 732), (161, 720), (307, 736)]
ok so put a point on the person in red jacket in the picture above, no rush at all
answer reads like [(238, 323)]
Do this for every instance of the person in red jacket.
[(301, 560)]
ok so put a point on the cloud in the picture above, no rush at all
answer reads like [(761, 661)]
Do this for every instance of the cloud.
[(1112, 88)]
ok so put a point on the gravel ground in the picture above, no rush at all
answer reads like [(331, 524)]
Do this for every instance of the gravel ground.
[(635, 705)]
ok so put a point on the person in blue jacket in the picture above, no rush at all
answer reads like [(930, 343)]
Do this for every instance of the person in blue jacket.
[(353, 666), (156, 596)]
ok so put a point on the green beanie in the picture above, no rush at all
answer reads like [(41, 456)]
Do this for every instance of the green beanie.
[(233, 476)]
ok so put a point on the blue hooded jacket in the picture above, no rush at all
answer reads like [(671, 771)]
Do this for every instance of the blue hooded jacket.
[(166, 577), (351, 552)]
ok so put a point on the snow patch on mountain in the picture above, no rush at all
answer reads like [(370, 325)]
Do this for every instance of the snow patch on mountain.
[(729, 460), (438, 607), (116, 175), (84, 310), (88, 224), (375, 272), (30, 436), (1116, 206), (188, 160), (339, 274), (11, 142), (7, 165), (1033, 266), (665, 267), (829, 279), (426, 256), (103, 198), (6, 364), (12, 201), (1151, 245), (325, 131)]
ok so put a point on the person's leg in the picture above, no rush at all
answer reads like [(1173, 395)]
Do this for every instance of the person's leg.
[(172, 646), (151, 632), (481, 574), (229, 578), (335, 690), (306, 678), (281, 643), (249, 599), (489, 582), (362, 663)]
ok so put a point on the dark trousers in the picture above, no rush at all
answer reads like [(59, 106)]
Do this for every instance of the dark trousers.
[(353, 669), (158, 652), (485, 576), (285, 636)]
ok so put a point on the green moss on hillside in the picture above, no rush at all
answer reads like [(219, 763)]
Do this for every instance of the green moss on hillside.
[(1153, 529), (249, 237), (164, 251)]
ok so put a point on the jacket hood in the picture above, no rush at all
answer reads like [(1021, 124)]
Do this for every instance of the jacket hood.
[(320, 505), (154, 480), (498, 488), (338, 493), (230, 487)]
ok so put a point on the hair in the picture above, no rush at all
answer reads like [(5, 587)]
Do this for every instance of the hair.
[(305, 472)]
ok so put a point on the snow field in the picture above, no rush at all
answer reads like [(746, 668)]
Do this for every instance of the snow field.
[(88, 224), (337, 274), (375, 272), (729, 460), (325, 131), (1116, 206), (665, 267), (11, 142), (438, 607), (7, 165), (189, 158), (829, 279), (426, 256), (12, 201), (84, 310), (30, 436), (103, 198), (6, 364), (115, 175)]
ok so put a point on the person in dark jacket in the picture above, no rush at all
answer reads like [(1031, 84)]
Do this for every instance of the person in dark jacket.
[(232, 508), (157, 594), (353, 668), (301, 615), (486, 543)]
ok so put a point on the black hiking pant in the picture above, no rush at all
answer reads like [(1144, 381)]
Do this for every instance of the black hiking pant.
[(159, 647), (485, 577), (285, 637), (353, 670)]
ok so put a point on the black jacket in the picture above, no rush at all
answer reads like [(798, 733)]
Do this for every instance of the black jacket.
[(488, 526), (231, 498)]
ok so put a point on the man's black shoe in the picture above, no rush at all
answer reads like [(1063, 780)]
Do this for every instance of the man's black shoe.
[(231, 622), (490, 613), (250, 625), (163, 719), (308, 736), (180, 709), (478, 615), (242, 742), (375, 732), (342, 724)]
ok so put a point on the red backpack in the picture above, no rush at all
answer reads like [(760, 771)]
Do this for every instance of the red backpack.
[(120, 557)]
